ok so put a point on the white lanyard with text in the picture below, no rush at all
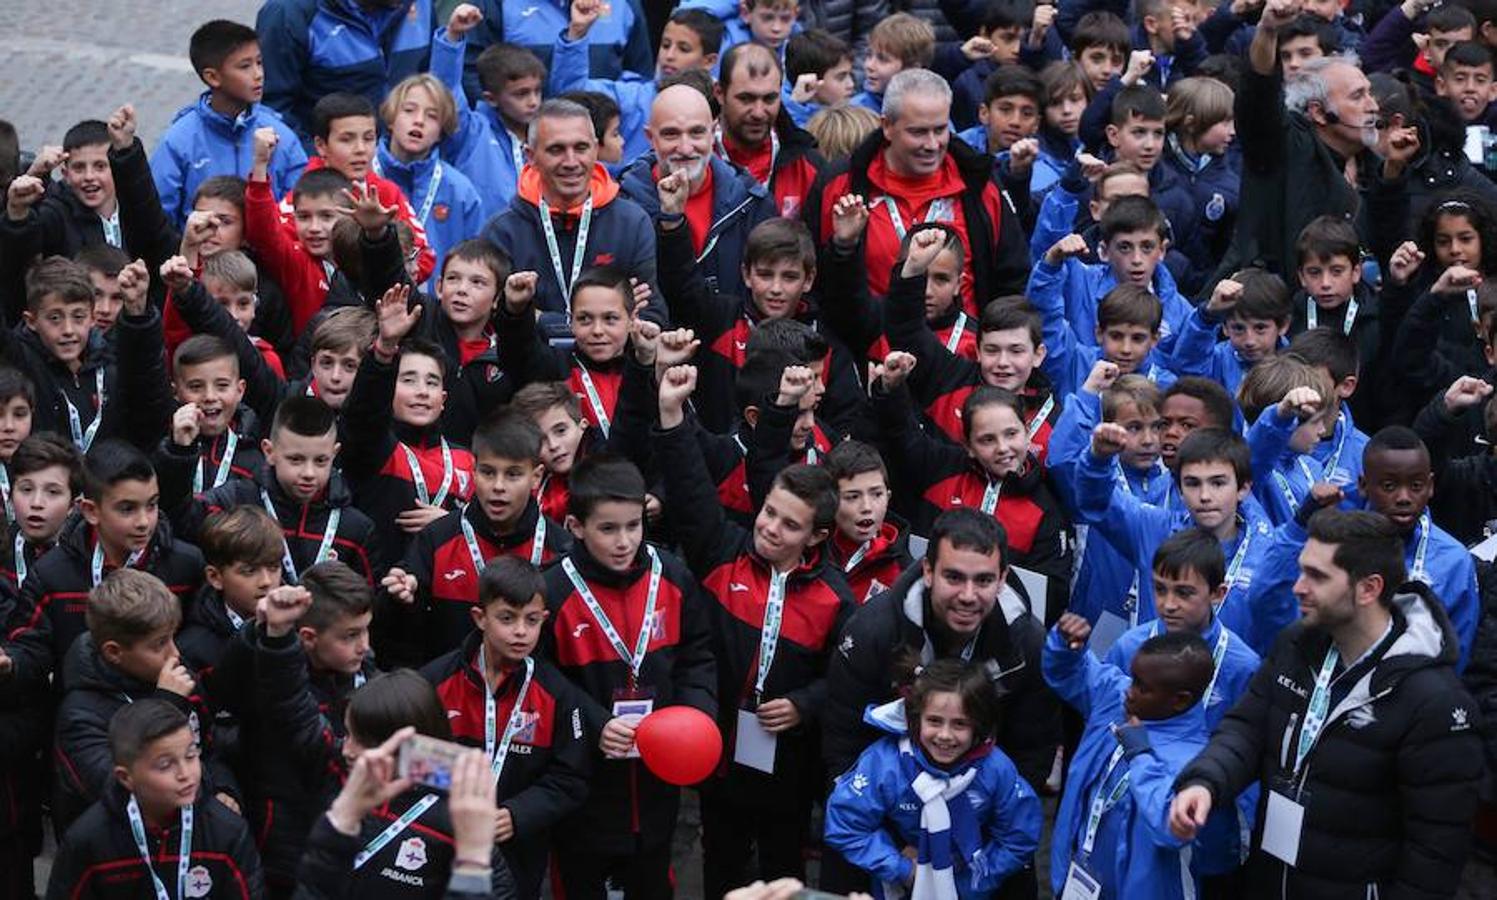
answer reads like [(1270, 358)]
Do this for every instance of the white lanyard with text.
[(990, 497), (940, 210), (1041, 415), (1418, 572), (579, 250), (20, 559), (497, 752), (231, 443), (431, 187), (1312, 314), (516, 154), (1101, 802), (1287, 491), (1239, 557), (593, 398), (1315, 713), (84, 439), (1334, 460), (418, 477), (394, 828), (537, 542), (769, 635), (857, 556), (641, 643), (184, 849), (1471, 304), (330, 531), (114, 234), (10, 509), (96, 568), (955, 340)]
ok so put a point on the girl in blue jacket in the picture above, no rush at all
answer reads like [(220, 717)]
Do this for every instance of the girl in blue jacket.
[(934, 810)]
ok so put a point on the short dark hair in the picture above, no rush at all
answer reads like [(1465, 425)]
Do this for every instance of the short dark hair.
[(105, 259), (1006, 14), (394, 700), (1013, 81), (760, 61), (1206, 445), (1130, 304), (601, 107), (813, 52), (324, 182), (699, 80), (1191, 655), (59, 276), (1138, 101), (15, 383), (1192, 550), (229, 188), (1210, 394), (1101, 28), (707, 27), (88, 133), (485, 253), (508, 434), (200, 349), (814, 486), (241, 534), (339, 105), (951, 237), (964, 528), (306, 416), (1449, 17), (1012, 313), (111, 461), (777, 239), (852, 458), (980, 699), (539, 397), (1264, 296), (1133, 212), (134, 727), (1395, 439), (608, 277), (509, 580), (1326, 237), (43, 451), (213, 41), (499, 64), (338, 592), (1366, 543), (1327, 348), (804, 343), (759, 376), (1466, 53), (416, 345), (602, 479)]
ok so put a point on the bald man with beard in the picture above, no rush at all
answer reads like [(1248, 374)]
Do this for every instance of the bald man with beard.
[(725, 201)]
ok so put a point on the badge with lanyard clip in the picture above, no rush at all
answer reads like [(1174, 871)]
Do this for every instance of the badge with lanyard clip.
[(633, 701), (1081, 882), (1284, 814), (754, 746)]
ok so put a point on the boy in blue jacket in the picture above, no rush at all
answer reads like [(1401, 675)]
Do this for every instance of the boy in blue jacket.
[(1340, 451), (1112, 838), (1214, 478), (1252, 308), (1289, 405), (938, 767), (1128, 322), (216, 135)]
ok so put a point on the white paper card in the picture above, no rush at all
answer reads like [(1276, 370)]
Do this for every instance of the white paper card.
[(632, 711), (1035, 585), (755, 746), (1080, 885), (1110, 626), (918, 546), (1281, 828), (1486, 551)]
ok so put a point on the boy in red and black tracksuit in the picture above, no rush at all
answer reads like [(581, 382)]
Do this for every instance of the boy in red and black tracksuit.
[(544, 769), (604, 585), (870, 546), (779, 608)]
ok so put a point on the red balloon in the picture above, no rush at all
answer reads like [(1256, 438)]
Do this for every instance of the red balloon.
[(680, 744)]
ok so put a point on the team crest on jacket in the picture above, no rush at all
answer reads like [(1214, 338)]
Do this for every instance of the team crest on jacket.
[(440, 210), (199, 882), (491, 373), (412, 855), (1216, 207)]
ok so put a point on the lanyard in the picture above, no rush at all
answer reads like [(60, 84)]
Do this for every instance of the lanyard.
[(1239, 558), (231, 444), (1041, 415), (990, 496), (418, 477), (593, 398), (1315, 713), (1218, 652), (497, 753), (184, 849), (1312, 314), (769, 635), (394, 828), (96, 568), (516, 153), (21, 559), (955, 339), (1101, 802), (1333, 461), (114, 235), (1471, 305), (641, 643), (1418, 571), (774, 153), (235, 618), (940, 210), (1287, 491), (431, 187), (10, 509), (330, 531), (857, 557), (584, 224), (84, 439)]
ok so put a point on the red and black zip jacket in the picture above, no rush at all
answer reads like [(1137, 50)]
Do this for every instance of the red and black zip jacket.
[(628, 806), (888, 555), (817, 602), (447, 585), (946, 477), (943, 380), (742, 468), (32, 553), (545, 775), (376, 466), (99, 859), (417, 862), (93, 691), (206, 454), (303, 524), (25, 731), (49, 614)]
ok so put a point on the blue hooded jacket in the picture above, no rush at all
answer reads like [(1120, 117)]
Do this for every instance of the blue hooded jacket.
[(482, 148), (313, 48), (1199, 350), (739, 202), (634, 95), (995, 824), (1281, 477), (202, 142), (446, 204), (1345, 446), (1147, 860), (617, 44)]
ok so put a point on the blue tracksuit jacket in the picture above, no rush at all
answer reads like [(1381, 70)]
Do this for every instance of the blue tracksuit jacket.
[(1200, 350), (617, 43), (1345, 446), (315, 47), (201, 143), (481, 148), (1145, 859), (1281, 477), (633, 94), (447, 205)]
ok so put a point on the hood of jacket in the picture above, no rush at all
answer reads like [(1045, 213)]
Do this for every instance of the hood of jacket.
[(216, 121), (600, 186)]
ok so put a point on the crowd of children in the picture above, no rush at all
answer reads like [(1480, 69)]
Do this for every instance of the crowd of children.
[(960, 404)]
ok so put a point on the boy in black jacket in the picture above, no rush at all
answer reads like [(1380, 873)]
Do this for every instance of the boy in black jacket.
[(17, 409), (779, 608), (524, 713), (151, 812), (127, 655), (629, 626), (205, 375), (118, 527), (46, 480)]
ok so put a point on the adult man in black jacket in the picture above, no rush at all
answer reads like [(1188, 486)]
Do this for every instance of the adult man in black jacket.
[(1368, 748)]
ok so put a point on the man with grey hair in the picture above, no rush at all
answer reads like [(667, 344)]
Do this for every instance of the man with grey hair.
[(567, 216), (725, 201), (911, 171), (1312, 145)]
